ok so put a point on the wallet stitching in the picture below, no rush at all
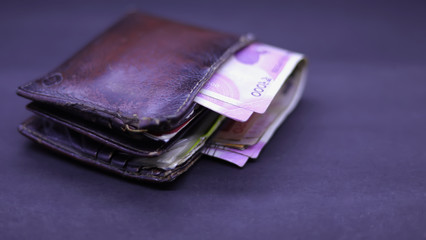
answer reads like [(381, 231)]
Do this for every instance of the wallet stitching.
[(64, 148), (82, 129)]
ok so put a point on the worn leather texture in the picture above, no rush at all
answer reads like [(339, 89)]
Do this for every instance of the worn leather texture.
[(143, 72), (62, 139), (141, 75), (137, 144)]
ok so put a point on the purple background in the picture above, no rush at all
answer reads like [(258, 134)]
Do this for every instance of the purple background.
[(350, 163)]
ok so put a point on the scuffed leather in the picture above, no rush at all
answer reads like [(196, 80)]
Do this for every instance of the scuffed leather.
[(143, 72), (84, 149), (136, 144), (140, 75)]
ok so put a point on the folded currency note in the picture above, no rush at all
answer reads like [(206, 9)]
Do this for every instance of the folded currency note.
[(257, 88)]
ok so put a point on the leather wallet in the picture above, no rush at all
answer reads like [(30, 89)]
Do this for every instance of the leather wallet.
[(136, 80)]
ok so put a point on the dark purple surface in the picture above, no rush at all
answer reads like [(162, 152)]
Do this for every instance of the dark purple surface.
[(350, 163)]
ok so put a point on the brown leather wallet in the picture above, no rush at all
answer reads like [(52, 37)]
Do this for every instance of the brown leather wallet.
[(136, 80)]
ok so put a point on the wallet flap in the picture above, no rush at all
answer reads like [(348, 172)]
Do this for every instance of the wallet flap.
[(142, 72)]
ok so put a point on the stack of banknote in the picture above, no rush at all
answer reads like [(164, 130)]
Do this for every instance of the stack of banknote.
[(256, 89)]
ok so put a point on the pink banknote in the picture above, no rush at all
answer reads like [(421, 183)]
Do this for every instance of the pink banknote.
[(249, 132), (251, 78), (232, 157), (226, 109), (266, 124)]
